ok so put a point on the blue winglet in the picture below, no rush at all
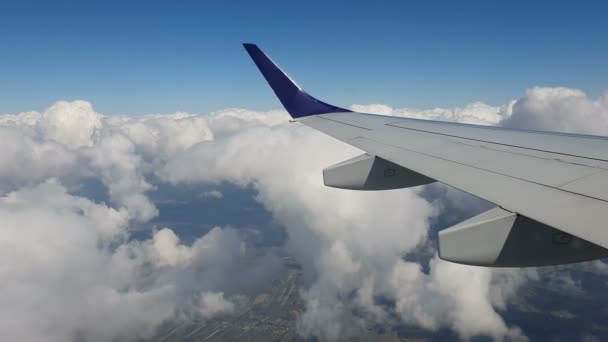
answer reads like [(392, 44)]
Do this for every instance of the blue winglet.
[(295, 100)]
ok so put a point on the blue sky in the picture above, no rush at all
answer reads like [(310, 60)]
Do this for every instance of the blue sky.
[(152, 56)]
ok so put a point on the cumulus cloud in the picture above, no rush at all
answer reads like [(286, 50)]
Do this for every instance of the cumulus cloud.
[(350, 243), (71, 123), (346, 259), (212, 194), (62, 274), (559, 109), (157, 137), (450, 295), (27, 160), (69, 261), (212, 304), (474, 113)]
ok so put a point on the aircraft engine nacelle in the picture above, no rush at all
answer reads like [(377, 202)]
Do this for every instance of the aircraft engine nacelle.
[(367, 172), (500, 238)]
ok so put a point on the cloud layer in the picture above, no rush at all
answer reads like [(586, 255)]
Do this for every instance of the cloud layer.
[(69, 261)]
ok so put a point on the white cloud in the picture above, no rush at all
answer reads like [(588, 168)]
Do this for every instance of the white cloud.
[(114, 160), (212, 304), (62, 274), (348, 242), (158, 137), (474, 113), (559, 109), (26, 160), (330, 233), (67, 263), (212, 194), (71, 123), (72, 257)]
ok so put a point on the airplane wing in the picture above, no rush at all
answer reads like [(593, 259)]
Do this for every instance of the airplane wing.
[(551, 189)]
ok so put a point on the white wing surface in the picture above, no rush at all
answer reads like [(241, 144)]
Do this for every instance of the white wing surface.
[(551, 188)]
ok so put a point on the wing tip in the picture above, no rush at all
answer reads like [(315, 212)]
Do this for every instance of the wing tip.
[(249, 46), (296, 101)]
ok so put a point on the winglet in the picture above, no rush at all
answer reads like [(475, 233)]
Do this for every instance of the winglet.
[(295, 100)]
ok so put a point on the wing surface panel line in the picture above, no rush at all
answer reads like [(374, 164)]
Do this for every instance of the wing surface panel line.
[(491, 142), (479, 168), (517, 153), (345, 123), (547, 201)]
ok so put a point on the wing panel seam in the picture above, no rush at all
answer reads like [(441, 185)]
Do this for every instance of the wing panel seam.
[(491, 142), (548, 158), (344, 123), (482, 169)]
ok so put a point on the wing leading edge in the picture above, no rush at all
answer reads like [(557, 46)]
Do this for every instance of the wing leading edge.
[(549, 186)]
